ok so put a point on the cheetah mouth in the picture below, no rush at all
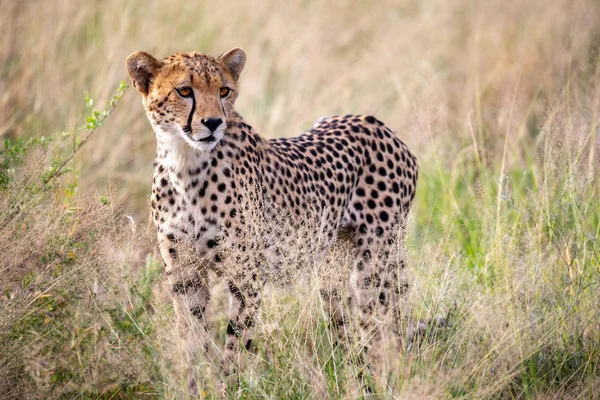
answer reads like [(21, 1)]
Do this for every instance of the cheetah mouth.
[(209, 138)]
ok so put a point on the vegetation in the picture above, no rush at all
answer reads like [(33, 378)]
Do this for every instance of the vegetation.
[(499, 101)]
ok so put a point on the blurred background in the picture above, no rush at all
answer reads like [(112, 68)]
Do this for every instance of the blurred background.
[(446, 75), (499, 100)]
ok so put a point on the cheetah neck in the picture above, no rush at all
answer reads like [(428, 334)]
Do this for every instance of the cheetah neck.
[(184, 162), (178, 158)]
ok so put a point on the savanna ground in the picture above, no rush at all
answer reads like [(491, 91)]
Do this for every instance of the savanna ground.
[(498, 99)]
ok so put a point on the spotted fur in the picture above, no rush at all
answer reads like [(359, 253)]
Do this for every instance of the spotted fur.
[(350, 172)]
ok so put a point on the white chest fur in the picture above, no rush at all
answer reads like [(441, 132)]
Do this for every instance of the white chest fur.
[(192, 195)]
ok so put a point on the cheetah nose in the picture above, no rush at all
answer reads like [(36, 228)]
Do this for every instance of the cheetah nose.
[(212, 123)]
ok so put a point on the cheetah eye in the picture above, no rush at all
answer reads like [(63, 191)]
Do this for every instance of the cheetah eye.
[(224, 92), (184, 91)]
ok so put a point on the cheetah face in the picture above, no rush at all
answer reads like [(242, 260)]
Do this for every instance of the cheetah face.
[(188, 97)]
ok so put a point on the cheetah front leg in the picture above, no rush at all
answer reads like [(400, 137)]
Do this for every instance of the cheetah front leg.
[(245, 293), (190, 290)]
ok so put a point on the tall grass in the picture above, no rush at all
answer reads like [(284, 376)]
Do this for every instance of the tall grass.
[(499, 102)]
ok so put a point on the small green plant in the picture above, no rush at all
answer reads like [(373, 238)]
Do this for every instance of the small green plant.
[(15, 152), (95, 120), (13, 156)]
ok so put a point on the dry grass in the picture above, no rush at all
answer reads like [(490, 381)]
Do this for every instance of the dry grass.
[(499, 100)]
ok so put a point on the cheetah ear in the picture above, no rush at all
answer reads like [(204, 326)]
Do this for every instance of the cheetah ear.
[(234, 60), (142, 68)]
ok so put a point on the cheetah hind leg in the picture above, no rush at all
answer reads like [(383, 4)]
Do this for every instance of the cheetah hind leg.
[(377, 290)]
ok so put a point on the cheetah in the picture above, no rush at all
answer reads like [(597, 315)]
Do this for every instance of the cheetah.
[(212, 168)]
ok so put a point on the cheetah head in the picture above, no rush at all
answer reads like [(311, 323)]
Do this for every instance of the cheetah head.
[(188, 97)]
